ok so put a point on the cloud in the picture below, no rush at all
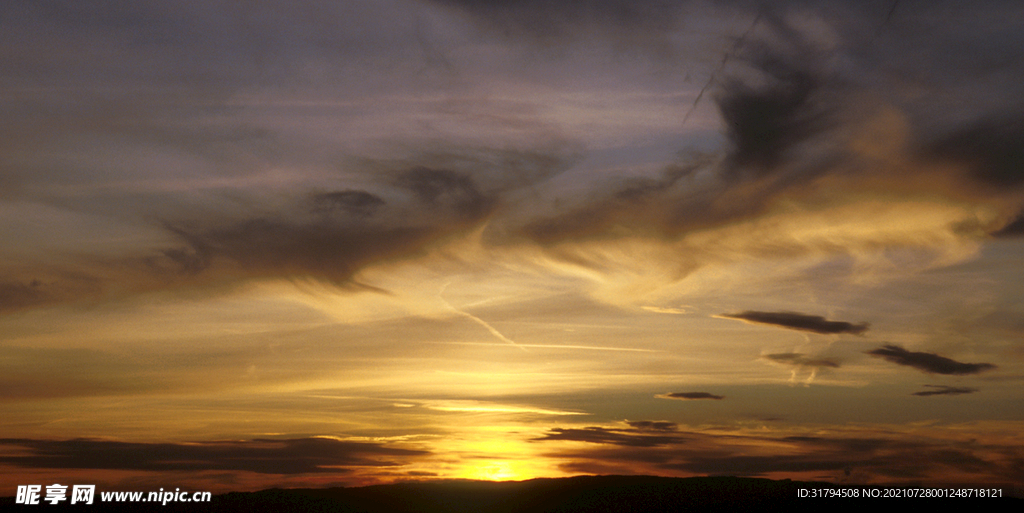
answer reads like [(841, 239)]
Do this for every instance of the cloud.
[(639, 437), (353, 202), (650, 205), (945, 390), (653, 425), (990, 147), (239, 193), (411, 206), (845, 455), (661, 309), (332, 235), (17, 295), (646, 25), (264, 456), (927, 362), (691, 396), (1014, 228), (801, 360), (767, 122), (798, 321)]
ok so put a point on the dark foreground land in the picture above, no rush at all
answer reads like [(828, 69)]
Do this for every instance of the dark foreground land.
[(591, 494)]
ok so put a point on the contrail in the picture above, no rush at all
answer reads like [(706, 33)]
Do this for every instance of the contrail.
[(721, 65), (476, 319), (887, 17)]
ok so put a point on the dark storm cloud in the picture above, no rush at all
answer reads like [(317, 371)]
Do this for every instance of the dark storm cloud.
[(801, 360), (927, 362), (691, 396), (799, 321), (945, 390), (288, 456)]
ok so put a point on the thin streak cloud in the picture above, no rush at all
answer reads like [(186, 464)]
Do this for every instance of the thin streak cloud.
[(945, 390), (800, 322), (691, 396), (267, 456), (927, 362), (485, 324)]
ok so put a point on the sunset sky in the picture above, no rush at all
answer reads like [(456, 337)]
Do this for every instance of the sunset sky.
[(320, 243)]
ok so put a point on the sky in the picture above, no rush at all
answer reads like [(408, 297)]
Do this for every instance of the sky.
[(309, 244)]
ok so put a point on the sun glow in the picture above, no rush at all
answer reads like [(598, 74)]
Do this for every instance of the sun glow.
[(495, 470), (496, 453)]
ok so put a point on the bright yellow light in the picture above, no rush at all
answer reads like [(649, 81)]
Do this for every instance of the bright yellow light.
[(492, 453), (494, 470)]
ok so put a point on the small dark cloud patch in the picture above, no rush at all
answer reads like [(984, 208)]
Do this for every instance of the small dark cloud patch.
[(619, 437), (188, 260), (1014, 228), (288, 456), (927, 362), (945, 390), (801, 360), (766, 122), (268, 246), (990, 147), (355, 203), (691, 396), (444, 187), (653, 425), (15, 295), (801, 322)]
